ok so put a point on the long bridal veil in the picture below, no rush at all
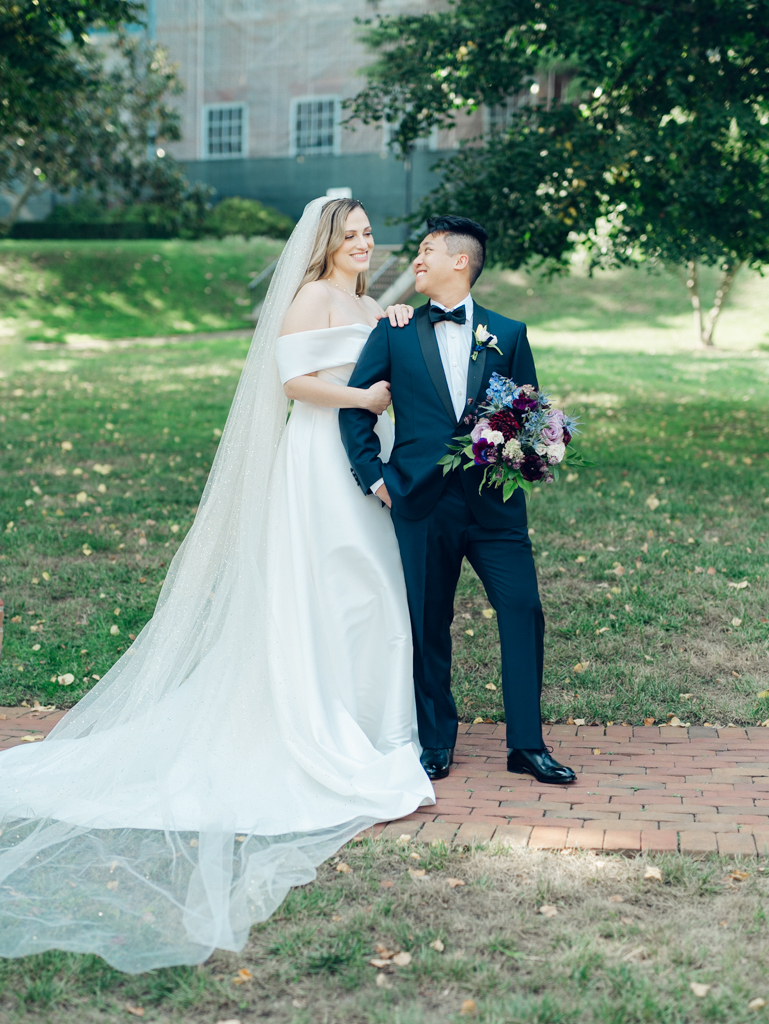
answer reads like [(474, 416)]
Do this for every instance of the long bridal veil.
[(122, 834)]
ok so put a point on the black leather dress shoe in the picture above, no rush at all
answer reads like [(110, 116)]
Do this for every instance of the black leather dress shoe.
[(436, 761), (540, 764)]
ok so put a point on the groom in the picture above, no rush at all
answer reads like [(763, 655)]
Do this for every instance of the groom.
[(437, 386)]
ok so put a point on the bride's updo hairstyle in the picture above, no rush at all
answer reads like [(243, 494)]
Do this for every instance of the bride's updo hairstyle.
[(331, 231)]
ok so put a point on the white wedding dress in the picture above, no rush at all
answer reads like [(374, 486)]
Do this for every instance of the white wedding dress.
[(263, 717)]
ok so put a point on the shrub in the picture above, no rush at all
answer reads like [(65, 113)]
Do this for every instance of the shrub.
[(247, 217)]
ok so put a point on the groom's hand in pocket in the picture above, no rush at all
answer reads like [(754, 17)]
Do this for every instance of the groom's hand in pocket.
[(384, 496)]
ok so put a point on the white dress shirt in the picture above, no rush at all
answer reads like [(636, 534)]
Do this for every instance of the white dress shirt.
[(455, 343)]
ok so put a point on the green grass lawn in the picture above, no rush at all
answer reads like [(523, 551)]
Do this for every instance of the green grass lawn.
[(55, 291), (619, 949), (653, 569), (646, 601)]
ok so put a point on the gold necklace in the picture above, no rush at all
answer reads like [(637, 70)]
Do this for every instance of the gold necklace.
[(342, 289)]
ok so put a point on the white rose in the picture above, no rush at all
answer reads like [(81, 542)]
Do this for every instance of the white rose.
[(496, 436), (481, 333), (541, 448), (555, 453)]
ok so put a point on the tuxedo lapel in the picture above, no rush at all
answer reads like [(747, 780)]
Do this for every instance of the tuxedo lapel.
[(476, 367), (432, 357)]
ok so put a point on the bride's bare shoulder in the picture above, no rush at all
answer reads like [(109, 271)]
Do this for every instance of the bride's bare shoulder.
[(310, 310)]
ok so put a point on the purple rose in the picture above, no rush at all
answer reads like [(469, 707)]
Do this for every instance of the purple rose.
[(485, 452), (480, 426), (553, 432)]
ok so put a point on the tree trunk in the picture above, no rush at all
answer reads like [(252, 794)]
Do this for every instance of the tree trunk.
[(728, 273), (17, 203), (693, 288)]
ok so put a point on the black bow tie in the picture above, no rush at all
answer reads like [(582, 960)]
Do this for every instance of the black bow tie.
[(458, 315)]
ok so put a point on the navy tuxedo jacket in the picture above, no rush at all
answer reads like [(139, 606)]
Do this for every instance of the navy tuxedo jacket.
[(425, 421)]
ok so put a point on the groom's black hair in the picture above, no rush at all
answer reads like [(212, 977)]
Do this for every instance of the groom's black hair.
[(462, 235)]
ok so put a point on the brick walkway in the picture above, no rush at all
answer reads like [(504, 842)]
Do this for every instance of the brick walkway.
[(697, 790)]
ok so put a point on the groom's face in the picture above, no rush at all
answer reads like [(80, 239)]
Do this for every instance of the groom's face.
[(436, 269)]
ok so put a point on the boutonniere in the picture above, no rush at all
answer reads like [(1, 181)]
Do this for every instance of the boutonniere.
[(484, 340)]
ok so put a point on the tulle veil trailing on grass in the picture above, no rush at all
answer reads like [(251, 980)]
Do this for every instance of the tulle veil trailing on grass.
[(137, 830)]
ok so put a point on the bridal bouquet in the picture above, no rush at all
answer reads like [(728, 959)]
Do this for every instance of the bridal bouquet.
[(518, 438)]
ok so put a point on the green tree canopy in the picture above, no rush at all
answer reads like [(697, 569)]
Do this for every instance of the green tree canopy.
[(39, 63), (673, 111)]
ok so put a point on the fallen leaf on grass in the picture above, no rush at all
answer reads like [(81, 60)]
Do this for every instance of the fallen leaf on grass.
[(242, 976), (627, 920), (417, 872), (738, 876), (652, 873), (137, 1011), (401, 959), (386, 883), (379, 963), (580, 559), (299, 1004), (67, 679), (649, 721), (490, 686), (652, 502), (437, 946), (639, 953), (468, 1008), (343, 868), (86, 550), (579, 721), (763, 694), (757, 1004), (454, 882), (547, 911), (603, 629), (738, 586), (404, 838), (699, 989), (382, 982), (581, 666), (616, 899), (470, 632), (477, 721)]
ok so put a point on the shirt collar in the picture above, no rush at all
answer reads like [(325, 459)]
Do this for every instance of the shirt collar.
[(467, 302)]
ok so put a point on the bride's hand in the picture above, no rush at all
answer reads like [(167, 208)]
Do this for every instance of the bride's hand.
[(377, 397), (399, 314)]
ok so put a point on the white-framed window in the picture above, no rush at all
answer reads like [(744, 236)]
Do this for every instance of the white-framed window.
[(315, 129), (225, 131)]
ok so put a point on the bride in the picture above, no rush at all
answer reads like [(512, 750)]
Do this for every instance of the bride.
[(264, 715)]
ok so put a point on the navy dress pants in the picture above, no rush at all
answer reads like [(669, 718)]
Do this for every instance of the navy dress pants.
[(432, 550)]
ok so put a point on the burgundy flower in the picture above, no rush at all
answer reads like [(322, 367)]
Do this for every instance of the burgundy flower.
[(506, 422), (534, 468), (566, 436), (525, 403)]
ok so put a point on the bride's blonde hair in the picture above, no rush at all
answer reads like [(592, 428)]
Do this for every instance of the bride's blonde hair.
[(331, 231)]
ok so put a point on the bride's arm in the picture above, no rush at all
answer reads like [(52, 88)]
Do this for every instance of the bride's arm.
[(309, 388), (311, 311)]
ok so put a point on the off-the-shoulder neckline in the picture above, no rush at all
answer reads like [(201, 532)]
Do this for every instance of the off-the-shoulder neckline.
[(321, 330)]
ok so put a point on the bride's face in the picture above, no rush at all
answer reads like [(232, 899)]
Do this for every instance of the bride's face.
[(354, 254)]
